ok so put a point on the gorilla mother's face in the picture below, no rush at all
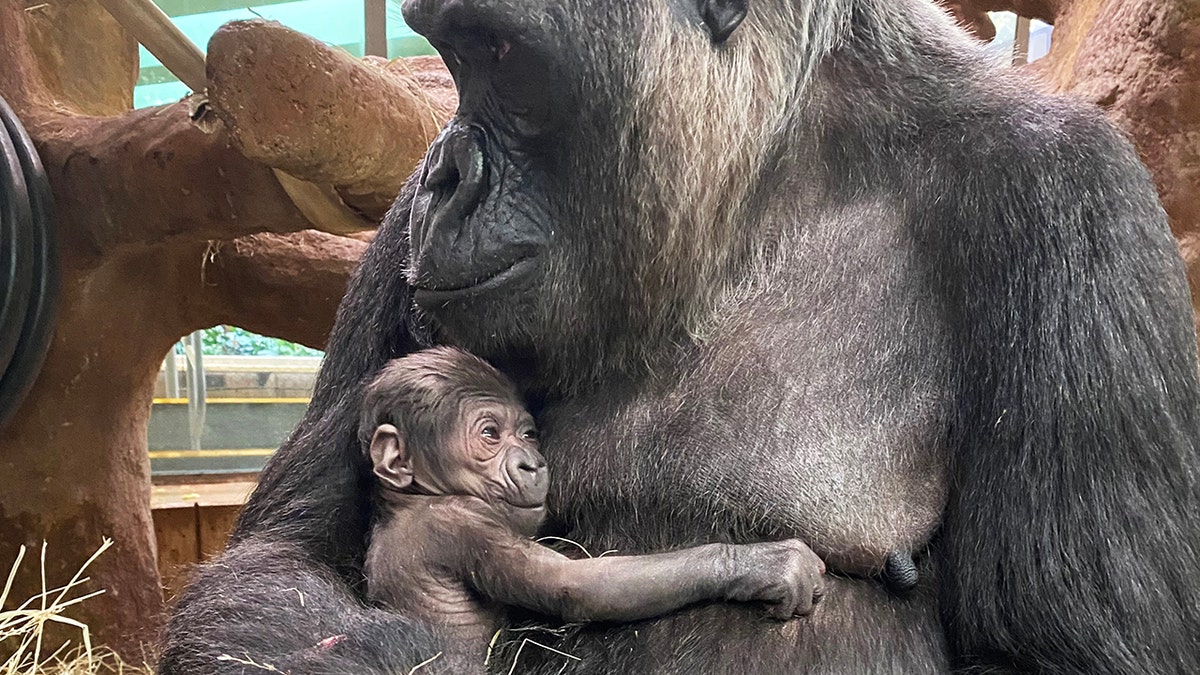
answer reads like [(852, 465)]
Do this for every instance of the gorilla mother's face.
[(546, 208)]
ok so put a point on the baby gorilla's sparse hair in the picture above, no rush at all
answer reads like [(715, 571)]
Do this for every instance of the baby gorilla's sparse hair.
[(422, 395)]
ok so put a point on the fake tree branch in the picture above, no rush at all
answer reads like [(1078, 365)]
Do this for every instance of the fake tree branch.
[(973, 14), (266, 51), (298, 280), (284, 97), (285, 101), (155, 30), (152, 177)]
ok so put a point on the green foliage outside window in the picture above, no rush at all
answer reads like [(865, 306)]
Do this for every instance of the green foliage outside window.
[(234, 341)]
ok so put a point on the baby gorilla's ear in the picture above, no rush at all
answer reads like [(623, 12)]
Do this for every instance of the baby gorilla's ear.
[(392, 462)]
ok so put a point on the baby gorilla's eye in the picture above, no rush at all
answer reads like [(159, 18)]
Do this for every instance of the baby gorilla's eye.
[(490, 432), (530, 435)]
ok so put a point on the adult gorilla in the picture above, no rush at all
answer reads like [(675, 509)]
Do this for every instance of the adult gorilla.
[(804, 268)]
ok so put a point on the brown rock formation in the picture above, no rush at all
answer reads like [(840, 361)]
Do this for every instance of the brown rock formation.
[(166, 229), (1140, 60)]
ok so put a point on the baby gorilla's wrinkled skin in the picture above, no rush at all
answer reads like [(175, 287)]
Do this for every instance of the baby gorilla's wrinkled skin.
[(461, 491)]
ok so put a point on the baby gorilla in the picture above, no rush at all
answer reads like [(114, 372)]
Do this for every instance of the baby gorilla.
[(462, 491)]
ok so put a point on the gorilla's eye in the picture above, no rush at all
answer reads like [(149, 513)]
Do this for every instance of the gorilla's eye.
[(500, 48), (490, 432), (522, 84), (530, 435), (450, 57)]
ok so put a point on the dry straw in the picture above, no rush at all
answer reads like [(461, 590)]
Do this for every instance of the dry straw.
[(23, 629)]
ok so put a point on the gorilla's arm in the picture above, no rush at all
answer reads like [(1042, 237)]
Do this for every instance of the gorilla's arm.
[(265, 606), (1070, 541), (518, 572), (309, 515)]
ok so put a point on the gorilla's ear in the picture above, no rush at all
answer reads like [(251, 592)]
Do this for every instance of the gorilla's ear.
[(722, 17), (392, 462)]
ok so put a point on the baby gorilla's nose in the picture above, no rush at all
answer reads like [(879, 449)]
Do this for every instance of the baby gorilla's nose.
[(532, 464), (533, 472), (527, 482), (529, 475)]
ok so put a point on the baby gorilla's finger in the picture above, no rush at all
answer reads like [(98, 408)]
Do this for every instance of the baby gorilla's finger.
[(785, 608), (818, 593), (811, 589)]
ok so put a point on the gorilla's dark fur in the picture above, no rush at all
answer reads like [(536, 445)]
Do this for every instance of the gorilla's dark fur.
[(833, 277)]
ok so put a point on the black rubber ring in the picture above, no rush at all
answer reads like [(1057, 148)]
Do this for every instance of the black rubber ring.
[(16, 250), (37, 326)]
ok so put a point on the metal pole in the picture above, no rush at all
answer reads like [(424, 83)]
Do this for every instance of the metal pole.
[(375, 28), (197, 393), (1021, 42), (172, 374), (150, 26)]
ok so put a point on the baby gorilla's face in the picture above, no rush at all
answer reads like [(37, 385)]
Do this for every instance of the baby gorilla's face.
[(494, 456), (468, 434)]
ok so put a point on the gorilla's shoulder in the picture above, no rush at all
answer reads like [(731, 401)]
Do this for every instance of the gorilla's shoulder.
[(1057, 133)]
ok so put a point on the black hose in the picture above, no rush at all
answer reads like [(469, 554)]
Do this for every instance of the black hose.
[(28, 264)]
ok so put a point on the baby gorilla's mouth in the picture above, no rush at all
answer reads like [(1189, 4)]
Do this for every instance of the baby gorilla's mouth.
[(521, 502), (526, 480)]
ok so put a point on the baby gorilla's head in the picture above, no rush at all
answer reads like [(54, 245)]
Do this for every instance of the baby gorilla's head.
[(444, 422)]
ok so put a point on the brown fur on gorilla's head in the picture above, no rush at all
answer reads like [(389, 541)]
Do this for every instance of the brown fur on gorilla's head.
[(577, 211)]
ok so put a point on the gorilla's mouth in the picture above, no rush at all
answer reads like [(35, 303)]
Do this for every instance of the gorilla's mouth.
[(518, 270), (524, 489), (528, 504)]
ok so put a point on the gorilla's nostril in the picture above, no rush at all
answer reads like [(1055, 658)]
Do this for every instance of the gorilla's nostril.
[(455, 168), (441, 172)]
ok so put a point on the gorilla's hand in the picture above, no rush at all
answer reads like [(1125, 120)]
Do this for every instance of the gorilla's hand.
[(786, 575)]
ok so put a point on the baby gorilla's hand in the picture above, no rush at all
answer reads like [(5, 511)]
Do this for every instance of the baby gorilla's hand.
[(786, 575)]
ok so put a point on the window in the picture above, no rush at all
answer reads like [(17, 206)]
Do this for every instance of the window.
[(337, 22)]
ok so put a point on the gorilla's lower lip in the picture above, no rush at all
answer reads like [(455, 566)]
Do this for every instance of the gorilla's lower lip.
[(512, 272)]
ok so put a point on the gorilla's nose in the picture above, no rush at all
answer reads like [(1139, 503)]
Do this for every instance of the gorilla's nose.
[(531, 473), (532, 465), (461, 236), (455, 171)]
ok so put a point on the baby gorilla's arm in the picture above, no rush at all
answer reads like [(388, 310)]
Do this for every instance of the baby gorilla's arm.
[(786, 575)]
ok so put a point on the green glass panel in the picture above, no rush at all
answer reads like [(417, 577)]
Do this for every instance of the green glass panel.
[(336, 22), (185, 7)]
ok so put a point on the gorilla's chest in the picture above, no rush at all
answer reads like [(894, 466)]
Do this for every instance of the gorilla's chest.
[(752, 442), (816, 408)]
